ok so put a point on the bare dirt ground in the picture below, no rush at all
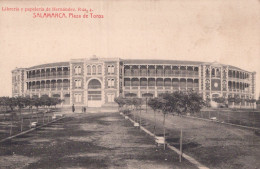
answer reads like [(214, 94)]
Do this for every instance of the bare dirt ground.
[(6, 122), (101, 140), (212, 144)]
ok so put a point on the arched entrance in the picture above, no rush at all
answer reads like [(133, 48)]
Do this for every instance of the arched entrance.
[(94, 93)]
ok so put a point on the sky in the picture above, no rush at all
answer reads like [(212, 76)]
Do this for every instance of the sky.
[(226, 31)]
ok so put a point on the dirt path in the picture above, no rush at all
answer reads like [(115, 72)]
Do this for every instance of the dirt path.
[(87, 141)]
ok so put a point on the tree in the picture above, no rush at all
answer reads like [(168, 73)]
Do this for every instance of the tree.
[(154, 104), (46, 101), (252, 101), (231, 100), (220, 100), (4, 103), (147, 95), (11, 102), (258, 101), (164, 105), (129, 102), (167, 103), (28, 102), (181, 102), (207, 102), (137, 102), (120, 101), (54, 101), (20, 102), (238, 100), (195, 102)]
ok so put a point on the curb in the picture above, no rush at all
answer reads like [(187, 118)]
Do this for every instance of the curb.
[(190, 159), (30, 130), (230, 124)]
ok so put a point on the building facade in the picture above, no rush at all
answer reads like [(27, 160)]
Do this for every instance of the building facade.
[(95, 82)]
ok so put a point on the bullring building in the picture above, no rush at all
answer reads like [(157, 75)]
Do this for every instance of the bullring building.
[(95, 82)]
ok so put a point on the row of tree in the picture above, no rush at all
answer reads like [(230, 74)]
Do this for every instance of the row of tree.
[(167, 103), (10, 103), (177, 102), (236, 100)]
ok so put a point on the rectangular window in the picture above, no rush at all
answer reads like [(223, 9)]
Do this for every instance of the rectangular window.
[(111, 83), (88, 70), (110, 97), (77, 83), (77, 70), (110, 69), (99, 69), (77, 98), (93, 70)]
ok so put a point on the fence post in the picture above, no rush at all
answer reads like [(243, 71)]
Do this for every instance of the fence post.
[(140, 120), (180, 146), (164, 130), (254, 120), (22, 124), (228, 116), (240, 117), (209, 114), (43, 118), (11, 128)]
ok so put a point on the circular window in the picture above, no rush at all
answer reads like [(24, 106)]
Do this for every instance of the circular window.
[(216, 84)]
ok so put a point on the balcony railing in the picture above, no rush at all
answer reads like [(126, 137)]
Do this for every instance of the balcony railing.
[(143, 87), (127, 87), (48, 75), (180, 74), (134, 87), (94, 86), (159, 87)]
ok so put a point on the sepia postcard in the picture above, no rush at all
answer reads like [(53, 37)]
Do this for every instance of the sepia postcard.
[(149, 84)]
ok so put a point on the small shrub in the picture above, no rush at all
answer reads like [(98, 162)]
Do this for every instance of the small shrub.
[(126, 111)]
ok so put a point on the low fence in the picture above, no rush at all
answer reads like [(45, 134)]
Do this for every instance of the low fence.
[(249, 118), (239, 117), (12, 123)]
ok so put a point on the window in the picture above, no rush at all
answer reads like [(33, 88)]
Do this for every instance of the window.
[(111, 69), (207, 72), (207, 84), (77, 70), (94, 95), (224, 73), (111, 83), (77, 98), (93, 70), (110, 97), (99, 69), (213, 72), (78, 83), (88, 70), (217, 72)]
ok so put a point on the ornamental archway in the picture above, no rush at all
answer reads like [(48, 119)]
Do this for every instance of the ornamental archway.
[(94, 93)]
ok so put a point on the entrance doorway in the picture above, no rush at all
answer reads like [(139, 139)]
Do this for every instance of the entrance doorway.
[(94, 93)]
